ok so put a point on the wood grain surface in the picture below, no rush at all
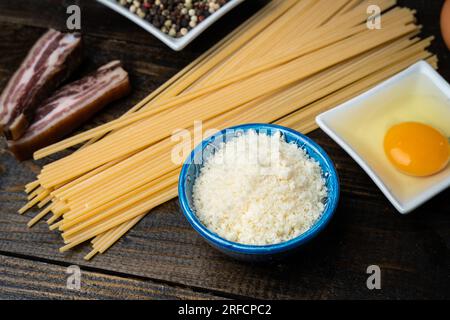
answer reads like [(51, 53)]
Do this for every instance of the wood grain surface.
[(162, 257), (25, 279)]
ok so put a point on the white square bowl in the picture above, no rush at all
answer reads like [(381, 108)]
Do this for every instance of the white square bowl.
[(176, 44), (391, 182)]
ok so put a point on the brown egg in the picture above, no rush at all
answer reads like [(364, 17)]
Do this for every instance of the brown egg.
[(445, 22)]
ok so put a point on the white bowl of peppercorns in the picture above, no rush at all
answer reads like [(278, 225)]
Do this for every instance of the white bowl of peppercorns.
[(174, 22)]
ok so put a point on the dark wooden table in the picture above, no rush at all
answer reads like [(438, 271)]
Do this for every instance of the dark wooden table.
[(162, 257)]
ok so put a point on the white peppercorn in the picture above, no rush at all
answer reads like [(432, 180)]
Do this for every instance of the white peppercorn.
[(172, 32), (183, 31), (140, 13)]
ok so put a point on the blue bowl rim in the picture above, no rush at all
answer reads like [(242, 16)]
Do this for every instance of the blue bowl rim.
[(239, 248)]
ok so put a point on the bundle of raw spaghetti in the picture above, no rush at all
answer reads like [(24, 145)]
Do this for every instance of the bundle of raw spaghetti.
[(288, 63)]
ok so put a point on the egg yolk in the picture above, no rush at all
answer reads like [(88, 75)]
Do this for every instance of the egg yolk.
[(417, 149)]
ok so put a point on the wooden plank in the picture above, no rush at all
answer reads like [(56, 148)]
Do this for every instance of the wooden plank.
[(412, 251), (26, 279)]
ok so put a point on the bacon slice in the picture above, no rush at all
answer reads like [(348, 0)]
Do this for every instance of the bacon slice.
[(51, 60), (71, 106)]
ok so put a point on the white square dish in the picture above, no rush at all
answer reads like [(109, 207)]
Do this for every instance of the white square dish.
[(176, 44), (370, 119)]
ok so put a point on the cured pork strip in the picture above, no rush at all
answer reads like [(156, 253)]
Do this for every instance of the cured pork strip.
[(51, 60), (71, 106)]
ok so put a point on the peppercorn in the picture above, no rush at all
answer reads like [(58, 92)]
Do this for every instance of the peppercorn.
[(183, 31), (173, 17), (172, 32), (144, 9), (156, 23), (140, 13), (184, 22)]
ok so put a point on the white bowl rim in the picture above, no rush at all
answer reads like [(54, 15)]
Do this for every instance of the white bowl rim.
[(176, 44), (406, 206)]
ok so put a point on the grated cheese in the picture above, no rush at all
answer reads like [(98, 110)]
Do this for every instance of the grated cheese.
[(258, 189)]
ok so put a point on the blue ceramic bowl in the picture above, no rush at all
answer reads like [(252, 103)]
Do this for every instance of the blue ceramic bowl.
[(191, 170)]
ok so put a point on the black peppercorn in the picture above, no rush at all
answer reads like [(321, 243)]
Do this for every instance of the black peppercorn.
[(184, 22), (156, 22)]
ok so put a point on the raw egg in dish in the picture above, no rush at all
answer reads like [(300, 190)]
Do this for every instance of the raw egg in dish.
[(417, 149)]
